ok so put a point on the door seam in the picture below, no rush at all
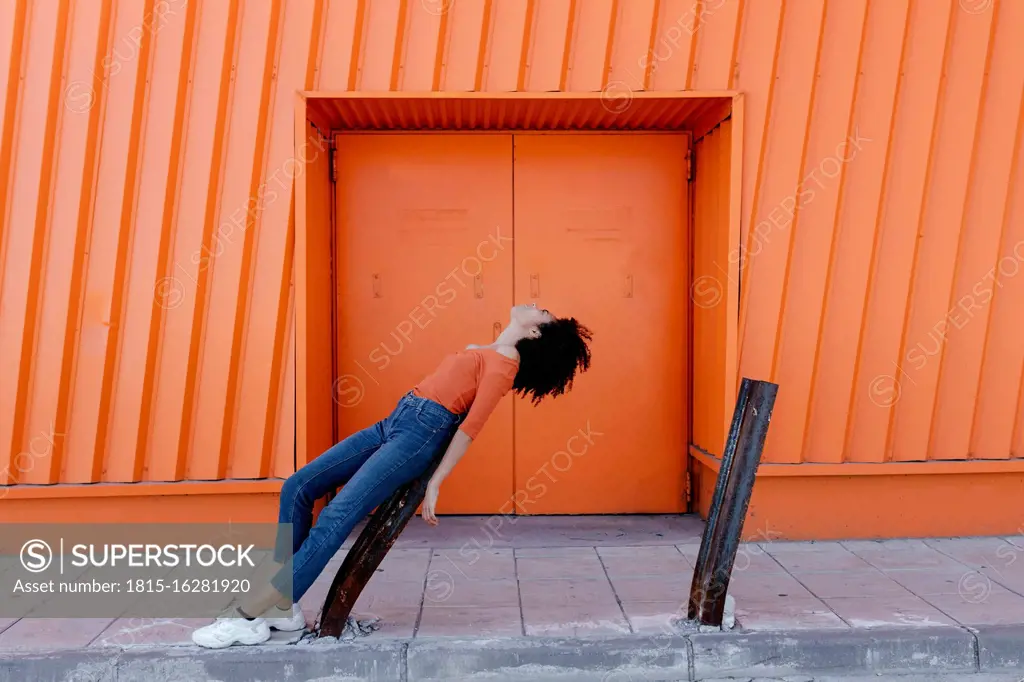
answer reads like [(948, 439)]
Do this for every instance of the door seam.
[(515, 470)]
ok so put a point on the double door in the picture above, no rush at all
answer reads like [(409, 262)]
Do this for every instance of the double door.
[(439, 235)]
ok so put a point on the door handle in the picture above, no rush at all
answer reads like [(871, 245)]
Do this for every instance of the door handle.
[(535, 285), (628, 290), (478, 286), (497, 331), (376, 286)]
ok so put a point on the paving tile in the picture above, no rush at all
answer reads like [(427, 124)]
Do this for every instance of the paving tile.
[(976, 543), (892, 611), (1005, 563), (998, 607), (693, 540), (769, 586), (440, 584), (444, 581), (749, 556), (883, 545), (929, 581), (689, 552), (851, 584), (901, 559), (577, 620), (639, 552), (404, 564), (475, 564), (556, 531), (653, 588), (128, 632), (641, 561), (654, 618), (552, 531), (811, 547), (567, 552), (560, 568), (566, 592), (1017, 539), (445, 621), (1009, 565), (1011, 578), (382, 593), (831, 557), (979, 552), (786, 614), (753, 558), (653, 568), (53, 633), (503, 592), (395, 621)]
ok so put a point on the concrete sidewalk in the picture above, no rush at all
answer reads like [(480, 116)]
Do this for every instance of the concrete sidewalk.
[(594, 598)]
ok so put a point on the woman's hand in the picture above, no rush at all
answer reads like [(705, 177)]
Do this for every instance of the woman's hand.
[(430, 503), (456, 449)]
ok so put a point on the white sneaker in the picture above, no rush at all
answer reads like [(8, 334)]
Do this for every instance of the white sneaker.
[(224, 632), (295, 621)]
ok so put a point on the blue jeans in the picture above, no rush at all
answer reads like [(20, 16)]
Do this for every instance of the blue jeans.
[(371, 464)]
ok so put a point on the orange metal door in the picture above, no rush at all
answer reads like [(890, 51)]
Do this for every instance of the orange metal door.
[(600, 235), (424, 268)]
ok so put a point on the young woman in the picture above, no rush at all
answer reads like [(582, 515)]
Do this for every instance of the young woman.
[(536, 355)]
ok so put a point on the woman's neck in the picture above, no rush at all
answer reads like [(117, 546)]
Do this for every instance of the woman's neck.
[(510, 335)]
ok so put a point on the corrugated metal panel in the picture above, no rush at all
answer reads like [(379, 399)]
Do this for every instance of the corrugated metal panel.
[(712, 409), (145, 146), (880, 198), (146, 238), (618, 111)]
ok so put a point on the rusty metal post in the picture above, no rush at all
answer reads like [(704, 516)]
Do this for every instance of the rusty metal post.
[(377, 538), (731, 498)]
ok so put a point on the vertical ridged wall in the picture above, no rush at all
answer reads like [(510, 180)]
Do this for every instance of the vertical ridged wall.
[(146, 233), (712, 405)]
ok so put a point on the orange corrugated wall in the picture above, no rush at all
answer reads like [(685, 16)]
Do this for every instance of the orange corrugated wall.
[(711, 407), (145, 239)]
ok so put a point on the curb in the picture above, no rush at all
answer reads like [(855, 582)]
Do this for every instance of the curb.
[(606, 659), (1001, 648), (893, 651), (611, 659)]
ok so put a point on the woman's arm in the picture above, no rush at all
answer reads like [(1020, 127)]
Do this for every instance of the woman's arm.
[(495, 383), (456, 449)]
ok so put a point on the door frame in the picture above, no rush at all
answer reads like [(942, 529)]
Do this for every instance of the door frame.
[(328, 113)]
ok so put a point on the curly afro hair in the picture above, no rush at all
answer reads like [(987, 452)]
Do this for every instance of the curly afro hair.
[(548, 363)]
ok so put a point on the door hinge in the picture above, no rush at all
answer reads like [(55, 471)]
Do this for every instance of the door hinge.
[(332, 152), (689, 164), (689, 489)]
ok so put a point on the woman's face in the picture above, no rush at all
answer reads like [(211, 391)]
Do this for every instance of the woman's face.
[(530, 316)]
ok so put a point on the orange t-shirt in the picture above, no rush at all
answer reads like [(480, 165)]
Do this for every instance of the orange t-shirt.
[(472, 381)]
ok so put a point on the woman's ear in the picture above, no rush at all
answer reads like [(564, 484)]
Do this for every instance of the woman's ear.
[(535, 332)]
